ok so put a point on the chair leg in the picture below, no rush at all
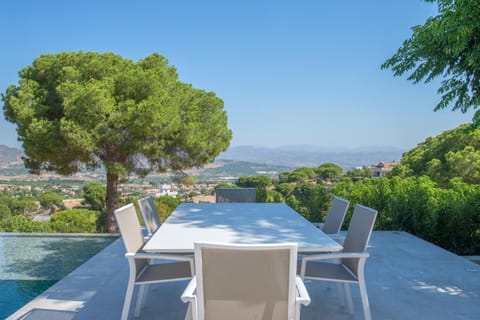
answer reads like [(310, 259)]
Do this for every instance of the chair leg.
[(191, 311), (365, 304), (340, 293), (140, 299), (128, 299), (348, 294), (188, 315), (144, 298)]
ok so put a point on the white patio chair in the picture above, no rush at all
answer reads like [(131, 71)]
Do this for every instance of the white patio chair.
[(237, 282), (142, 272), (235, 195), (335, 216), (348, 265), (149, 213)]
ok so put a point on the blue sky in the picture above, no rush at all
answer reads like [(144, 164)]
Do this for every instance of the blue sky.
[(289, 72)]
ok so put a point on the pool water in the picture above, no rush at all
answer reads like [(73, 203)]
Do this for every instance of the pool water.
[(31, 263)]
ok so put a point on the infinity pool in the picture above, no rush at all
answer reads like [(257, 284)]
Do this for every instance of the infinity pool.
[(30, 263)]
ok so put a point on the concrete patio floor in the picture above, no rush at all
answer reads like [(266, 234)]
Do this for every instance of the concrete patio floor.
[(407, 278)]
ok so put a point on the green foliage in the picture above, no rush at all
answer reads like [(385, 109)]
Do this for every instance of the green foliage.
[(23, 205), (442, 209), (6, 200), (285, 188), (75, 220), (4, 211), (226, 185), (254, 181), (261, 194), (260, 183), (375, 193), (329, 172), (19, 223), (18, 205), (165, 206), (50, 199), (458, 224), (343, 187), (447, 217), (99, 108), (283, 177), (298, 175), (190, 180), (310, 200), (446, 46), (274, 196), (94, 195), (453, 153)]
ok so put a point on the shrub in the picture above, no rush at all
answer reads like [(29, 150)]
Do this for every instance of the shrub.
[(4, 211), (165, 205), (19, 223), (75, 220), (49, 200)]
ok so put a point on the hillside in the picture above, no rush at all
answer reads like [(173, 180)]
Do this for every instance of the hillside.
[(246, 160), (232, 169), (12, 168), (313, 156)]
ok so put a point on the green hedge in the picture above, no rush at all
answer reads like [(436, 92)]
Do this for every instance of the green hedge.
[(449, 217)]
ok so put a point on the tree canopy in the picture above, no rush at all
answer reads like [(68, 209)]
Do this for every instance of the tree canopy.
[(50, 200), (452, 154), (85, 108), (94, 195), (446, 46), (329, 172)]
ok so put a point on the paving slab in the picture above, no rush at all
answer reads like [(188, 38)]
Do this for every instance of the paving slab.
[(407, 278)]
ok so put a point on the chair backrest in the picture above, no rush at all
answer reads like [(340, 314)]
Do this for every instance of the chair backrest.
[(245, 281), (358, 234), (336, 215), (130, 229), (235, 195), (149, 214)]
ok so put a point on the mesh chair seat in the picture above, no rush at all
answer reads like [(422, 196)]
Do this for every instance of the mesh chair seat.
[(172, 271), (329, 271)]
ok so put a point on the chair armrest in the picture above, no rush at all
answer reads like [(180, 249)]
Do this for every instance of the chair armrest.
[(337, 255), (303, 296), (188, 294), (159, 256), (335, 236)]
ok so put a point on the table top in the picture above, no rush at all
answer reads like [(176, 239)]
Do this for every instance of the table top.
[(241, 223)]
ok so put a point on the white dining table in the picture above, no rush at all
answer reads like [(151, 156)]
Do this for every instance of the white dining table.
[(237, 223)]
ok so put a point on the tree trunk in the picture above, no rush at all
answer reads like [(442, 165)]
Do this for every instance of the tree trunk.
[(112, 186)]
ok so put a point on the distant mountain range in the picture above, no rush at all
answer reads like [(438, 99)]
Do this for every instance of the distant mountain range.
[(313, 156), (10, 156), (251, 160)]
